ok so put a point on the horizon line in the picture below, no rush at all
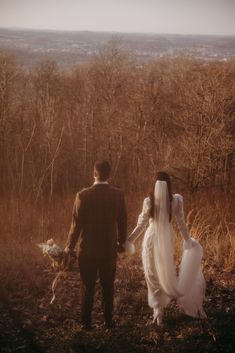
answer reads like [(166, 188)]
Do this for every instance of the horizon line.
[(116, 32)]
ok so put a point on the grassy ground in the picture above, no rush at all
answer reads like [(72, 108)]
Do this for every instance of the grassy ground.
[(28, 324)]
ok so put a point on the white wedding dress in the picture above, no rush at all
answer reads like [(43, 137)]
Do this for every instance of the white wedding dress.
[(158, 257)]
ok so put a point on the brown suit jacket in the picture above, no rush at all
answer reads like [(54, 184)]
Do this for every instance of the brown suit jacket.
[(100, 220)]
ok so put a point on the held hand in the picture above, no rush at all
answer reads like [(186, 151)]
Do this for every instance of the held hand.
[(129, 247), (120, 248)]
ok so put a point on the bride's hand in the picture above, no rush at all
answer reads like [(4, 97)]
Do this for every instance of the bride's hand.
[(129, 247)]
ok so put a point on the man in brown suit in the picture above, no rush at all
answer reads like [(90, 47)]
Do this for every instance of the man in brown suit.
[(100, 221)]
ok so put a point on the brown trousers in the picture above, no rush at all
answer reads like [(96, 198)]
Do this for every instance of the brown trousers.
[(89, 268)]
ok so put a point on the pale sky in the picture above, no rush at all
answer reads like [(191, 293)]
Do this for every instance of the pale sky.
[(156, 16)]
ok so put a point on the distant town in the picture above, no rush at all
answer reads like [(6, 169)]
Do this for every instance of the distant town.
[(68, 48)]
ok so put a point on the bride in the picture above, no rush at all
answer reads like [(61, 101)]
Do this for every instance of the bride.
[(158, 253)]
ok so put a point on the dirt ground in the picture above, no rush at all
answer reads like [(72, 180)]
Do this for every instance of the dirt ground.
[(28, 323)]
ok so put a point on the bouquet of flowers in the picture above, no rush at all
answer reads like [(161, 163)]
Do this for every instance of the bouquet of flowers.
[(61, 262)]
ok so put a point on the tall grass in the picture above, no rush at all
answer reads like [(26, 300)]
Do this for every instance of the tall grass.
[(24, 224)]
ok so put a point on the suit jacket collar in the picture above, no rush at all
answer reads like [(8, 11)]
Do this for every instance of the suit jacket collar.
[(100, 184)]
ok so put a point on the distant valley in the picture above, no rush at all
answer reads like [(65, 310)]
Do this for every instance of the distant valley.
[(70, 48)]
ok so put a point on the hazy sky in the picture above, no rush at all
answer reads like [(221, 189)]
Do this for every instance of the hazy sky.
[(160, 16)]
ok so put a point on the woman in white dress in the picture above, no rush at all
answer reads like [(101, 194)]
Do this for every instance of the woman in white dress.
[(158, 253)]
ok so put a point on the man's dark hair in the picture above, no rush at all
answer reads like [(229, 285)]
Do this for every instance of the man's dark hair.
[(102, 169)]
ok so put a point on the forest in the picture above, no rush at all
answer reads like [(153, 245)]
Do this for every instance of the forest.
[(175, 114)]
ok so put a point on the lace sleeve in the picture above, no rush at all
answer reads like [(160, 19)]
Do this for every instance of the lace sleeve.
[(180, 218), (142, 221)]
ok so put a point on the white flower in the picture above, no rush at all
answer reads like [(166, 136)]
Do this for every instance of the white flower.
[(52, 250), (50, 241)]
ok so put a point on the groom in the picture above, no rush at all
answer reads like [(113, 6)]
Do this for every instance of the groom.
[(100, 221)]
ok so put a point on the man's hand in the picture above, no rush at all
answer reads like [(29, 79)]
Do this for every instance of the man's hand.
[(120, 248), (67, 250)]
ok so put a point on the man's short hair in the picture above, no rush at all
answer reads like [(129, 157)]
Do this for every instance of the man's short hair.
[(102, 169)]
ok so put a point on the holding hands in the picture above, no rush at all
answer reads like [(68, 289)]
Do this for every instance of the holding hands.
[(129, 247)]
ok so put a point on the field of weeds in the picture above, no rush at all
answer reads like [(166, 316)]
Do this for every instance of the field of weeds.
[(28, 323)]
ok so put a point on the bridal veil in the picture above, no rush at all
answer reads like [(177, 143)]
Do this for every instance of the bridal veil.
[(189, 286)]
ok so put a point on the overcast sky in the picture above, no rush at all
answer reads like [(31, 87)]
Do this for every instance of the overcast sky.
[(159, 16)]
